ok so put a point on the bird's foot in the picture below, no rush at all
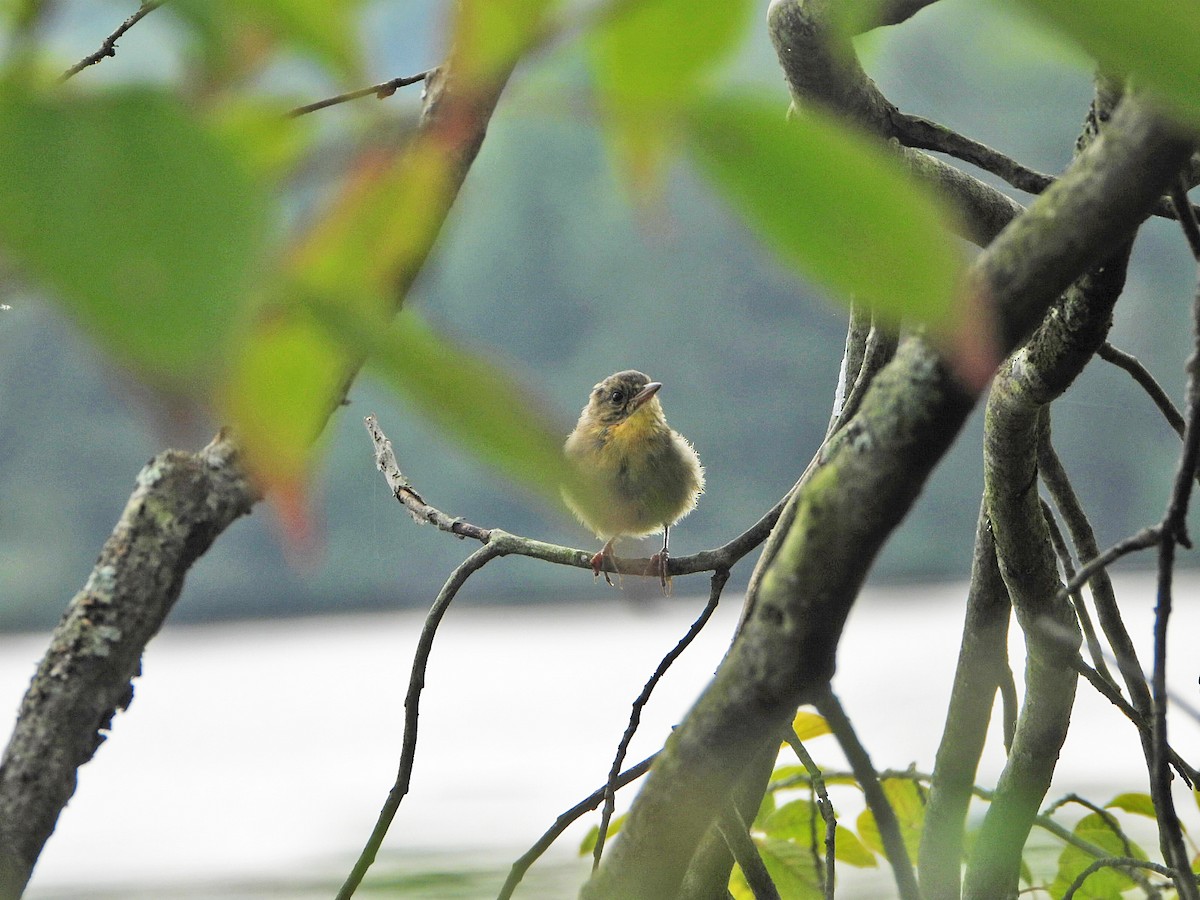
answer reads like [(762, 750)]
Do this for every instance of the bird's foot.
[(598, 568), (658, 566)]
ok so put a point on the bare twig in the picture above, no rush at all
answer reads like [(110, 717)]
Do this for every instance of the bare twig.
[(1111, 862), (610, 793), (109, 47), (587, 804), (1095, 649), (737, 837), (380, 91), (830, 707), (1174, 530), (1142, 376), (824, 806), (416, 682), (723, 557), (1142, 540), (1189, 774)]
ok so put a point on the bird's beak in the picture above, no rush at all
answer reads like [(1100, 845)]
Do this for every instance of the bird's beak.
[(643, 395)]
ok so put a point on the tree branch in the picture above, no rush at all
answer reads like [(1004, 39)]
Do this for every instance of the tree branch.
[(496, 546), (90, 669), (864, 482), (380, 91), (109, 47), (181, 503)]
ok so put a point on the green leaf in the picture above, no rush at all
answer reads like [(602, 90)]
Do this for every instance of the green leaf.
[(588, 844), (809, 725), (325, 32), (907, 804), (470, 398), (849, 849), (491, 35), (832, 202), (1137, 803), (140, 222), (1105, 884), (648, 55), (793, 821), (1154, 40), (791, 867)]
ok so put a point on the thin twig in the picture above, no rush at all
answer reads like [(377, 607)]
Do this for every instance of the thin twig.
[(1142, 376), (732, 828), (723, 557), (1142, 540), (1095, 649), (1108, 818), (380, 91), (824, 805), (1174, 530), (635, 717), (1190, 775), (416, 682), (109, 47), (587, 804), (830, 707), (1110, 862)]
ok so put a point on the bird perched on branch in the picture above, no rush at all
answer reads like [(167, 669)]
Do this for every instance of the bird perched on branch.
[(638, 476)]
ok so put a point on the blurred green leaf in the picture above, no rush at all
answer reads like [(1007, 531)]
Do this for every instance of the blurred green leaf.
[(906, 802), (1105, 884), (646, 57), (1154, 40), (352, 267), (470, 398), (588, 844), (832, 203), (230, 29), (809, 725), (792, 868), (792, 821), (137, 219), (1137, 803), (850, 850), (491, 35), (268, 142)]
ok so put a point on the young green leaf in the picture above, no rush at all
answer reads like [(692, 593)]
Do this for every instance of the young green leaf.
[(1153, 40), (645, 58), (832, 203), (809, 725), (1137, 803), (133, 216), (1105, 883)]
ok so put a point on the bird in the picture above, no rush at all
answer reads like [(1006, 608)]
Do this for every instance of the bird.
[(636, 475)]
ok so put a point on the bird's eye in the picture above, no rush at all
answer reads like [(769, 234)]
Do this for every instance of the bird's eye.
[(616, 397)]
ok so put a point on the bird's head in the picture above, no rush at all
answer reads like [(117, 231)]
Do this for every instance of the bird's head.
[(620, 396)]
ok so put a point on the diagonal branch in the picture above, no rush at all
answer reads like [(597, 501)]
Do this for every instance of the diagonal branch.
[(89, 667), (109, 47)]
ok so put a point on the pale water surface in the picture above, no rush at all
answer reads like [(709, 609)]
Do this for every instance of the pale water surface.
[(255, 756)]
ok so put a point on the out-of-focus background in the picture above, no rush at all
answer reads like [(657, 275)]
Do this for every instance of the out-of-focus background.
[(549, 267)]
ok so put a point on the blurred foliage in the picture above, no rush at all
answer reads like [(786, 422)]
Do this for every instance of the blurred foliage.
[(559, 271), (789, 832)]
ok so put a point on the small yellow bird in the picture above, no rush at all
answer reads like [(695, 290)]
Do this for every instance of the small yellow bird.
[(639, 476)]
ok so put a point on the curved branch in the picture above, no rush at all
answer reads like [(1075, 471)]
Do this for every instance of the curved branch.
[(719, 559), (587, 804), (412, 701), (610, 793)]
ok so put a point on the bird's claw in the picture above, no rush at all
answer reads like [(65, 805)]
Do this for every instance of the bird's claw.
[(598, 566), (658, 566)]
